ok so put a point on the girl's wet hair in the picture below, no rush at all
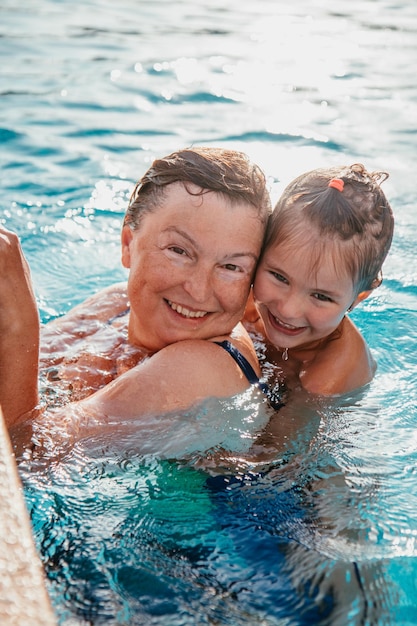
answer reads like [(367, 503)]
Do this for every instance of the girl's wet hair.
[(355, 215), (226, 172)]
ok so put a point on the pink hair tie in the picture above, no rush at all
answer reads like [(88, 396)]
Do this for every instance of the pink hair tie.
[(337, 183)]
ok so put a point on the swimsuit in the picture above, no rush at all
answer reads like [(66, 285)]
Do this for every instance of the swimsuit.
[(250, 373)]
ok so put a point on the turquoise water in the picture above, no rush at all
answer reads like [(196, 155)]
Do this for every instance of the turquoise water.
[(90, 93)]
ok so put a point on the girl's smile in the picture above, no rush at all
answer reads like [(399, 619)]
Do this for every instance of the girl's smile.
[(286, 329), (299, 297)]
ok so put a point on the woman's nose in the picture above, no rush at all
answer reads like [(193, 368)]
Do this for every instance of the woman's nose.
[(198, 284)]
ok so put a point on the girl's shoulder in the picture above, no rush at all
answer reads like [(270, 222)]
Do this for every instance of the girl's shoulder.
[(345, 363)]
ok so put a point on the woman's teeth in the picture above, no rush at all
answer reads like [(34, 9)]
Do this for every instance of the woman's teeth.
[(182, 310)]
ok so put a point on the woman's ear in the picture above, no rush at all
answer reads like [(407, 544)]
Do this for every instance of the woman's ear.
[(127, 236)]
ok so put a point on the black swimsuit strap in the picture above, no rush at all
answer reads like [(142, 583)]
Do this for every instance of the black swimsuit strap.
[(243, 363), (249, 372)]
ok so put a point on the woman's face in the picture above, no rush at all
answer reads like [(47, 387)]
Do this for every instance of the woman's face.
[(191, 264), (301, 300)]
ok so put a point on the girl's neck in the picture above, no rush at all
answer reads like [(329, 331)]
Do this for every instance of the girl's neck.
[(307, 351)]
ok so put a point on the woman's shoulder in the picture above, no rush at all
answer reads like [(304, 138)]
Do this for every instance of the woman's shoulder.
[(204, 368), (84, 320), (104, 304), (176, 377), (101, 306)]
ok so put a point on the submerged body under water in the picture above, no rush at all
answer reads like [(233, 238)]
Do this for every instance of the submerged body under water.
[(204, 533), (182, 526)]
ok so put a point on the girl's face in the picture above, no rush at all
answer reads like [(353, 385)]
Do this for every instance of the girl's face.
[(299, 299), (191, 264)]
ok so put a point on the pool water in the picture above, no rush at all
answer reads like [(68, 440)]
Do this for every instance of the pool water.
[(325, 532)]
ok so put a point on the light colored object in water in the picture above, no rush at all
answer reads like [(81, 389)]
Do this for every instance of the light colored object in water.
[(23, 597)]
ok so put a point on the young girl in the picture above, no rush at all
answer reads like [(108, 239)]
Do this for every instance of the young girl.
[(326, 242)]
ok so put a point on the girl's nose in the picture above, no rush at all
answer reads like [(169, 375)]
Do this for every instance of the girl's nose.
[(290, 307)]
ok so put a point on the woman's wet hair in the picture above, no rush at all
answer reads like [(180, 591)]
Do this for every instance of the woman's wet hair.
[(227, 172), (345, 212)]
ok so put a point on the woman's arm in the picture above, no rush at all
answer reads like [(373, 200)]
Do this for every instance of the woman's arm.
[(19, 332), (171, 381)]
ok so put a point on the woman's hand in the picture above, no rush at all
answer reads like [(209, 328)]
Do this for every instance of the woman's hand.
[(19, 331)]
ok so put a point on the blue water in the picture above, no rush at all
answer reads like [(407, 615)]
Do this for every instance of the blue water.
[(91, 92)]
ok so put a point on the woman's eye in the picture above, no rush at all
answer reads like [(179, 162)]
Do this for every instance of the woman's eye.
[(232, 267), (177, 250)]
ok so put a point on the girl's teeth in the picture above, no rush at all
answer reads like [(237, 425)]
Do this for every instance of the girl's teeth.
[(281, 323)]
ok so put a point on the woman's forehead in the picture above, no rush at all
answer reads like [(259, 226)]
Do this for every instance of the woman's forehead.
[(211, 216)]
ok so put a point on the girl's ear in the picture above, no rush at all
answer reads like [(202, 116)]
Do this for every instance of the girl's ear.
[(377, 281), (127, 236), (364, 294), (360, 298)]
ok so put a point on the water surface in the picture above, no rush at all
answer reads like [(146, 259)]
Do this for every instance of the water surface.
[(90, 93)]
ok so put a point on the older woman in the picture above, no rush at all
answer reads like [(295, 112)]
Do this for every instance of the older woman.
[(191, 239)]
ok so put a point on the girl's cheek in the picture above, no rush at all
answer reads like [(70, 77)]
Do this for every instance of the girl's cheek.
[(258, 284), (264, 289)]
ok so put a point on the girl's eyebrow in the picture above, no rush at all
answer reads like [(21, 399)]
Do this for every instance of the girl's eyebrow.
[(331, 294), (326, 292), (186, 236)]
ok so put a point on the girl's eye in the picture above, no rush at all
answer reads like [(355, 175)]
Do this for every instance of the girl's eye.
[(321, 297), (279, 277)]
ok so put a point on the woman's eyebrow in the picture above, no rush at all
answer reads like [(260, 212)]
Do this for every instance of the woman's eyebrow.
[(179, 231)]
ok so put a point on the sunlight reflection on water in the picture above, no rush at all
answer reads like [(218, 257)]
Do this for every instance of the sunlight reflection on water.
[(91, 93)]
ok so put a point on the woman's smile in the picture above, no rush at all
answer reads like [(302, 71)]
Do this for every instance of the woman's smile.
[(191, 262), (185, 311)]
